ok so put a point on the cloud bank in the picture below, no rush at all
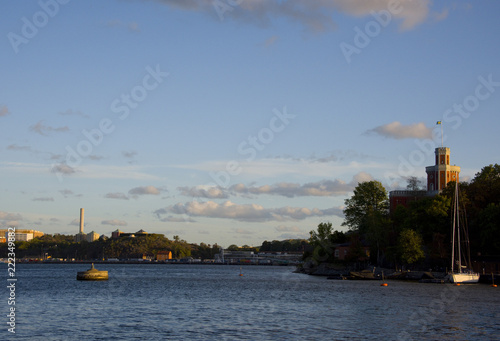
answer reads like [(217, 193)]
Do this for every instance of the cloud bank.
[(146, 190), (114, 222), (396, 130), (321, 188), (9, 219), (315, 16), (245, 212)]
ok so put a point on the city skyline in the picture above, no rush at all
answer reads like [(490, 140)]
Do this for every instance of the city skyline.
[(235, 122)]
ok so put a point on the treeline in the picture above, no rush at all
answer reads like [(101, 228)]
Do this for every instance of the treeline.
[(64, 246), (417, 235)]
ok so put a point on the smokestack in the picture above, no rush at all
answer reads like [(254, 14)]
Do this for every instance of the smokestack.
[(81, 220)]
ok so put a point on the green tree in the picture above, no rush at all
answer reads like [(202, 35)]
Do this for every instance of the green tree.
[(233, 247), (366, 212), (367, 206), (320, 241), (410, 246), (489, 219)]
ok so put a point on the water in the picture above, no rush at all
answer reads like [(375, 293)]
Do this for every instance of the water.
[(210, 302)]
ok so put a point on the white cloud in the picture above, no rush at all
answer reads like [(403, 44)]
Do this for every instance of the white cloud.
[(172, 219), (63, 169), (204, 192), (316, 16), (290, 190), (398, 131), (286, 189), (121, 196), (245, 212), (114, 222), (410, 12), (360, 177), (146, 190), (43, 129), (10, 219)]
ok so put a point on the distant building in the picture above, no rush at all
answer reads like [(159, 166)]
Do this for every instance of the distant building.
[(442, 172), (118, 234), (164, 255), (405, 197), (438, 176), (20, 235), (342, 251), (92, 236), (229, 256), (80, 237)]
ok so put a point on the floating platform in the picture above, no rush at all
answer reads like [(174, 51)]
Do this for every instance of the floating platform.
[(92, 274)]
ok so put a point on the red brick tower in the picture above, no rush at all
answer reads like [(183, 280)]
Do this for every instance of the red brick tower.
[(442, 172)]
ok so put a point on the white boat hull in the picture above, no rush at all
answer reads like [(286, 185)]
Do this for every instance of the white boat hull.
[(464, 278)]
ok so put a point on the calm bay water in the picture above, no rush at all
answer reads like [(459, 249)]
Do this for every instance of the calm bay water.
[(211, 302)]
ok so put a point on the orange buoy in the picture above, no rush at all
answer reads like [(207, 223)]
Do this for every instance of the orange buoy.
[(493, 285), (383, 284), (457, 284)]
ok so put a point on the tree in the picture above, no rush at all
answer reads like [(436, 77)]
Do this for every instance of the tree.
[(367, 213), (410, 246), (322, 236), (320, 240), (489, 218), (368, 203), (413, 184)]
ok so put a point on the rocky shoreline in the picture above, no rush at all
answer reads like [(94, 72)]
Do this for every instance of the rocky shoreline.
[(336, 271)]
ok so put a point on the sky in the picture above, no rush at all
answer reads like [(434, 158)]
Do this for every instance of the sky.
[(235, 121)]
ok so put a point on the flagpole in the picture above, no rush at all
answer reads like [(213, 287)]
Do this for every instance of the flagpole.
[(441, 124)]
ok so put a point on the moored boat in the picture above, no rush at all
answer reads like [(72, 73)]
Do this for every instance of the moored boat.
[(460, 252)]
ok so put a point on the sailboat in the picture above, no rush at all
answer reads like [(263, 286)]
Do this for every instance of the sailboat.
[(460, 257)]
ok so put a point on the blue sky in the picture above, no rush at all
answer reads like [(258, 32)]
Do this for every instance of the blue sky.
[(234, 122)]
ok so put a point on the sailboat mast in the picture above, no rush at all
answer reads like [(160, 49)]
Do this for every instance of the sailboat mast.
[(458, 230), (453, 235)]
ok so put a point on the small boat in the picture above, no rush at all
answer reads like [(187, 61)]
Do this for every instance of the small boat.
[(460, 258), (92, 274)]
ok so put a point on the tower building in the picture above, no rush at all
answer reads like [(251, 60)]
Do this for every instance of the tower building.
[(81, 220), (438, 176), (81, 235), (442, 172)]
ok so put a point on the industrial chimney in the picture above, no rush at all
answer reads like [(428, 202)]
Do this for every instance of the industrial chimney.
[(81, 220)]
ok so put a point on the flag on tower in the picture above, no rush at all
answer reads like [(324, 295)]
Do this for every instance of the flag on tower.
[(438, 122)]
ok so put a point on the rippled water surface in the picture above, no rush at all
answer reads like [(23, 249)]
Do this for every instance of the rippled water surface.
[(213, 302)]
